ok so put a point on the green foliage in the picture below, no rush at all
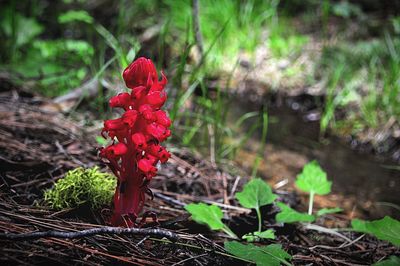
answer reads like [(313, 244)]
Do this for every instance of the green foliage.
[(391, 261), (79, 186), (366, 72), (385, 229), (271, 255), (289, 215), (246, 21), (346, 10), (102, 141), (313, 179), (256, 193), (325, 211), (57, 65), (282, 46), (256, 236), (25, 29), (210, 215), (74, 16)]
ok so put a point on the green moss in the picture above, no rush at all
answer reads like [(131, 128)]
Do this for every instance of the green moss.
[(81, 186)]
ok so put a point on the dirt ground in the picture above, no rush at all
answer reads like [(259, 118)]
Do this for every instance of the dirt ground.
[(37, 147)]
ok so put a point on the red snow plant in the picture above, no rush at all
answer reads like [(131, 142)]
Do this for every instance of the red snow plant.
[(136, 136)]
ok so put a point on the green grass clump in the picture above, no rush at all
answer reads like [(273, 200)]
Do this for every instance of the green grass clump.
[(81, 186)]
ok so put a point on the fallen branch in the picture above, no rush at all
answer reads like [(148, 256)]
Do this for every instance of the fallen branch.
[(107, 230)]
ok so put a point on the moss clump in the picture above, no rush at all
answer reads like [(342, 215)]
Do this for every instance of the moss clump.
[(81, 186)]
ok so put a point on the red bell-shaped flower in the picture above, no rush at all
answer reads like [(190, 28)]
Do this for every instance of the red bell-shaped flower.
[(139, 72), (139, 140), (129, 118), (114, 151), (162, 118), (147, 167), (122, 100)]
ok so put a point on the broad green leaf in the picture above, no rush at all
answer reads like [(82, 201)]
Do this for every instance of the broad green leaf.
[(210, 215), (272, 255), (256, 236), (324, 211), (385, 229), (392, 261), (313, 179), (288, 215), (256, 193)]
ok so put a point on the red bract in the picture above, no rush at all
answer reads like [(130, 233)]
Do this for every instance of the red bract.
[(136, 136)]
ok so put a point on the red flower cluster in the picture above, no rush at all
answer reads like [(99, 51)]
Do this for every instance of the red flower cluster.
[(136, 135)]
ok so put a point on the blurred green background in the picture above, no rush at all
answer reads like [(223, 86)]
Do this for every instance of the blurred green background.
[(346, 51)]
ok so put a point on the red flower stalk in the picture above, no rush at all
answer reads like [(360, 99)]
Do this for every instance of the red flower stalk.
[(136, 136)]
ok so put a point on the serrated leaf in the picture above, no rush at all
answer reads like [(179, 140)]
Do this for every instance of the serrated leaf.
[(289, 215), (271, 255), (313, 179), (324, 211), (392, 261), (210, 215), (255, 193), (384, 229)]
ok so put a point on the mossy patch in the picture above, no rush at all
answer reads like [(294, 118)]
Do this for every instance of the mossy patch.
[(81, 186)]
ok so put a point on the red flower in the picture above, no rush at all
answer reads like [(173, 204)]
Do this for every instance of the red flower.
[(114, 151), (140, 73), (139, 141), (139, 131), (147, 167), (122, 100)]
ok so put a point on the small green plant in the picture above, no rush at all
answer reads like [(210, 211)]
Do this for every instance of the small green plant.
[(314, 181), (81, 186), (256, 193), (384, 229)]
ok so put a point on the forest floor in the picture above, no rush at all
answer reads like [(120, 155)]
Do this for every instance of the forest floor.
[(38, 147)]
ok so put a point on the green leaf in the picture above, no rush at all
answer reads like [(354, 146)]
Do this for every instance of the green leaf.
[(101, 140), (384, 229), (392, 261), (288, 215), (267, 234), (324, 211), (26, 29), (313, 179), (256, 193), (256, 236), (210, 215), (75, 15), (272, 255)]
